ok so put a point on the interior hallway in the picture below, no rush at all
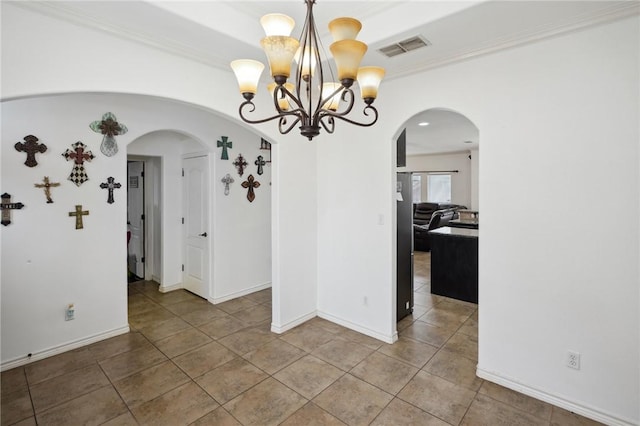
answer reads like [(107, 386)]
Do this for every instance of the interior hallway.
[(189, 362)]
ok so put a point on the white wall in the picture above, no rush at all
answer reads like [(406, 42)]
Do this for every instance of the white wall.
[(45, 261), (460, 182), (98, 282), (356, 228), (555, 117), (295, 250), (545, 286), (242, 230), (54, 60)]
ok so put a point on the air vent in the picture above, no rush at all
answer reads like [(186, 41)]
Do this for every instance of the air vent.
[(404, 46)]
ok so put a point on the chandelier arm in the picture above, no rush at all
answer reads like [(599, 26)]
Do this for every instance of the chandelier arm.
[(264, 120), (315, 44), (328, 98), (292, 97), (332, 124), (350, 99), (340, 116), (283, 122)]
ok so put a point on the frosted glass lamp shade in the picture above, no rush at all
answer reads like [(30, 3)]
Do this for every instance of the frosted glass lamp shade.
[(327, 90), (308, 60), (369, 79), (344, 28), (277, 24), (247, 73), (280, 51), (283, 101), (348, 54)]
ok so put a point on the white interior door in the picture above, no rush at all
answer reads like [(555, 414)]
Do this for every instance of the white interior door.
[(197, 234), (135, 216)]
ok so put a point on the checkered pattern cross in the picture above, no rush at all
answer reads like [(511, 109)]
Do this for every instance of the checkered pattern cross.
[(79, 155)]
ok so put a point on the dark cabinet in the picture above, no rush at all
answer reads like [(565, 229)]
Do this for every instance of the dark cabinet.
[(404, 261), (454, 263)]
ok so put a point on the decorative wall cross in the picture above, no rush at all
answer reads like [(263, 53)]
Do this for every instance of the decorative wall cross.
[(250, 184), (47, 188), (225, 143), (110, 184), (110, 128), (31, 147), (7, 206), (78, 213), (260, 163), (227, 180), (240, 164), (79, 155)]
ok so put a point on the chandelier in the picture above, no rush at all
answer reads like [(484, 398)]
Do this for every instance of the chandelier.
[(314, 100)]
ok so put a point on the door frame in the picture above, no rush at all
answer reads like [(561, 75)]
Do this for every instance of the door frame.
[(208, 272), (143, 233), (152, 178)]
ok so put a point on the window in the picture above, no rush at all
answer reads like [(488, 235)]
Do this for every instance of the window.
[(416, 188), (439, 188)]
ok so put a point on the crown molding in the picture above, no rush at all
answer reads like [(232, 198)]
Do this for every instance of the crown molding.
[(613, 13), (167, 45), (618, 10)]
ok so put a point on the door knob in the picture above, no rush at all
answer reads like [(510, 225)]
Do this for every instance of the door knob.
[(204, 234)]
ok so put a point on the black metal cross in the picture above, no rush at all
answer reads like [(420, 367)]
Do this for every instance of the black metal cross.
[(7, 206), (78, 214), (260, 163), (240, 164), (225, 143), (110, 184), (31, 147)]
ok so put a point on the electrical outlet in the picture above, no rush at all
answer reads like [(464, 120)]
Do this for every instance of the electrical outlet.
[(407, 305), (573, 360), (69, 313)]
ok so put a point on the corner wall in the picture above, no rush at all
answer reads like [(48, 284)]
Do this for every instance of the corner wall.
[(560, 139), (54, 60), (47, 264)]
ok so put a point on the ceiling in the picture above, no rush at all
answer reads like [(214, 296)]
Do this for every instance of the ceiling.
[(447, 131), (217, 32)]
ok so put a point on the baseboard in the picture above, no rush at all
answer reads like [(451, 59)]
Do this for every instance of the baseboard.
[(582, 410), (167, 289), (279, 329), (360, 329), (46, 353), (216, 300)]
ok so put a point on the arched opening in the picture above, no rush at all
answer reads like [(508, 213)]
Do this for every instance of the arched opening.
[(159, 129), (156, 249), (440, 170)]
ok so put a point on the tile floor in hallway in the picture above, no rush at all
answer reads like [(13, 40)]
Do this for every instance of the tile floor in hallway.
[(189, 362)]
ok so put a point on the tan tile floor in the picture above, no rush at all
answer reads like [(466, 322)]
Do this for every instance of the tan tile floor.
[(189, 362)]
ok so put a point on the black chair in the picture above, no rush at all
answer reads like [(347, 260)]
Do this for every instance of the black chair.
[(421, 232)]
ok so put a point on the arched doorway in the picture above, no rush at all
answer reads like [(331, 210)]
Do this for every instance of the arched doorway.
[(154, 239), (441, 168)]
